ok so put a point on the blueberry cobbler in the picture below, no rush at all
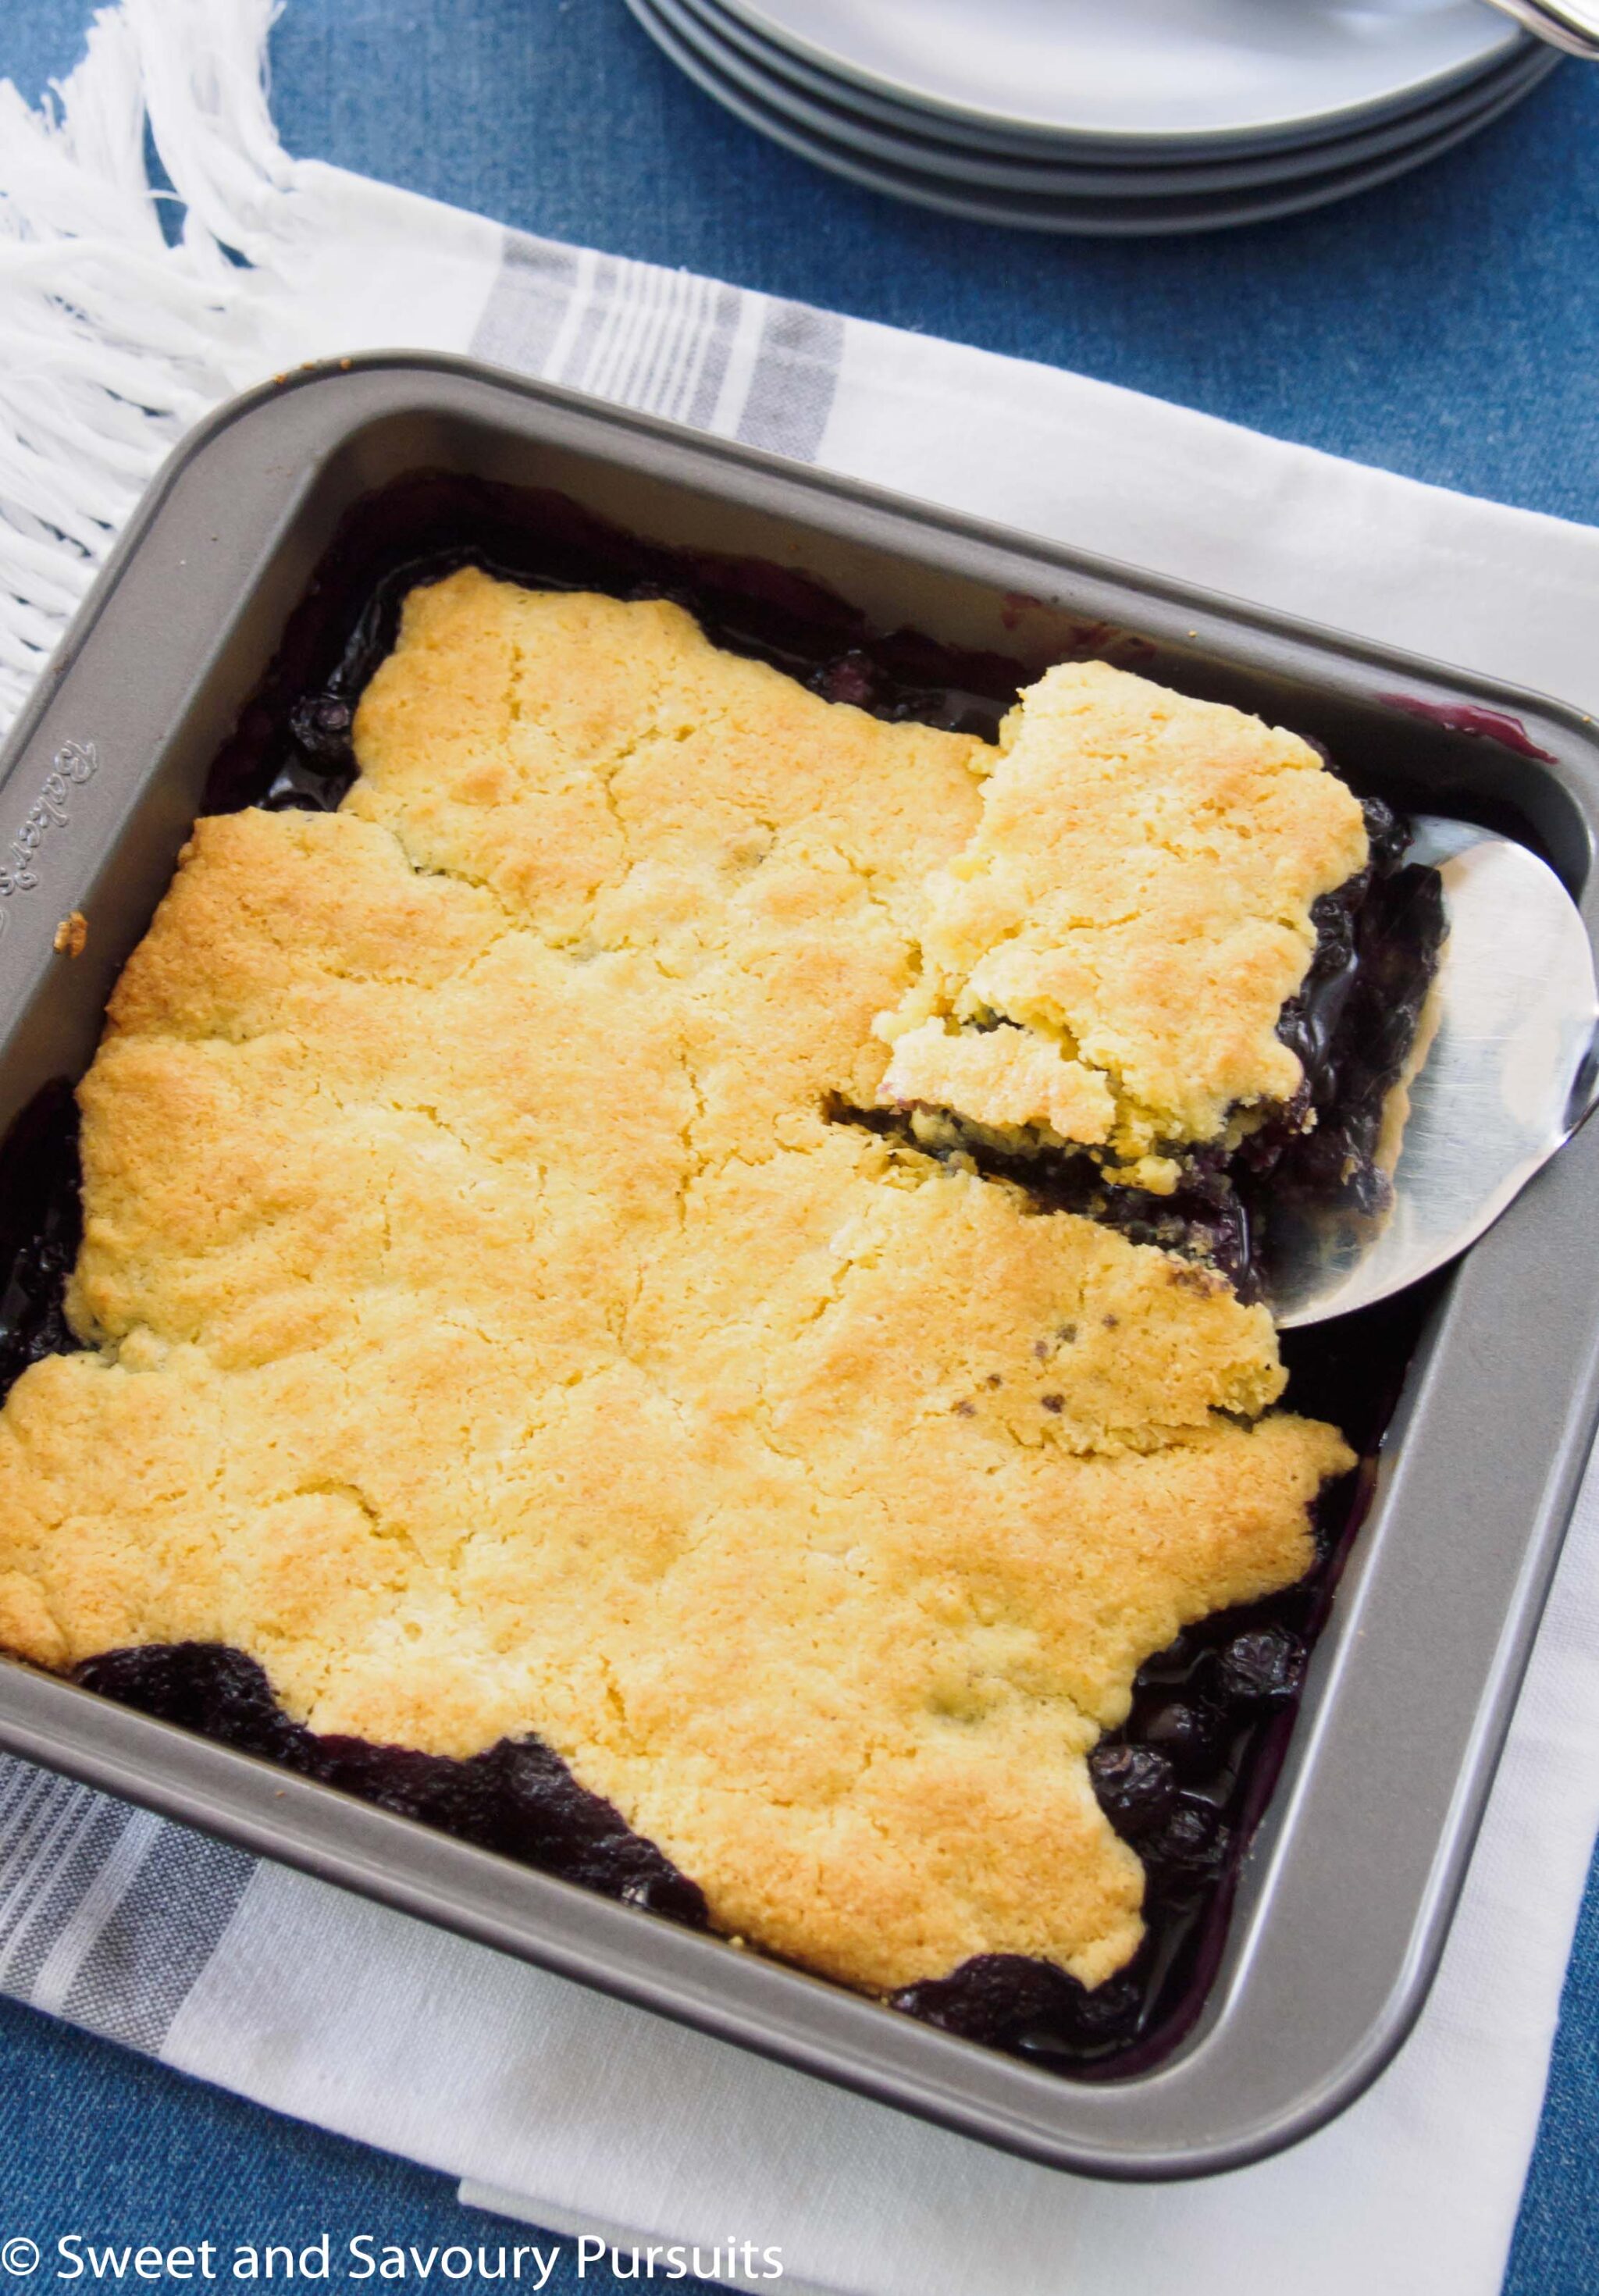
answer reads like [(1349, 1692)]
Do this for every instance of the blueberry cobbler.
[(668, 1286)]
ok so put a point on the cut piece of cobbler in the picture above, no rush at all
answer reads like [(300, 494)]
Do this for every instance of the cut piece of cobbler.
[(488, 1332), (1106, 961)]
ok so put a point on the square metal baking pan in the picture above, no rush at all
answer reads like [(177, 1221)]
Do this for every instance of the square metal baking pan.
[(1347, 1889)]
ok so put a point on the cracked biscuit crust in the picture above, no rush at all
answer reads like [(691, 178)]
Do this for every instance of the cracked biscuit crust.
[(490, 1334), (1133, 912)]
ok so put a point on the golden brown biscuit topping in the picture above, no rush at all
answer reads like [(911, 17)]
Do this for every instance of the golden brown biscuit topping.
[(491, 1334), (1107, 956)]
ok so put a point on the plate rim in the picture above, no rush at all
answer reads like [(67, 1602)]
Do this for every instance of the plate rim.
[(1318, 188), (1132, 180), (1315, 126)]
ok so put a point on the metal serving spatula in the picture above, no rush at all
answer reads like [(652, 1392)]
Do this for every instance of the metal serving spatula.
[(1511, 1071)]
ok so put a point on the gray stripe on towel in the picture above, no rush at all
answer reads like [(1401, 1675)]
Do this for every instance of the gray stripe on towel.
[(57, 1838), (662, 341), (713, 369), (145, 1962), (527, 303), (108, 1916), (595, 318), (795, 381)]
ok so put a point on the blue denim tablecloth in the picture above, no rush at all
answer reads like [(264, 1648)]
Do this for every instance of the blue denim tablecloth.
[(1447, 326)]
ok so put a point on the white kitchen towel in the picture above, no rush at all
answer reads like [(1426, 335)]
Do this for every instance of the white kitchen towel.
[(121, 328)]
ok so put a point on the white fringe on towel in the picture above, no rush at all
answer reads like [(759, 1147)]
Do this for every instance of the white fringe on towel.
[(114, 341), (118, 335)]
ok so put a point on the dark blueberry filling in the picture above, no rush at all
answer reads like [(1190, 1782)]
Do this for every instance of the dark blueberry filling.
[(1173, 1784), (518, 1797), (41, 1223), (1353, 1025), (1030, 2008), (1189, 1774), (291, 746), (1207, 1218)]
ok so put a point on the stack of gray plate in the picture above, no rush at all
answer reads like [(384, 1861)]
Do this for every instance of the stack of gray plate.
[(1080, 116)]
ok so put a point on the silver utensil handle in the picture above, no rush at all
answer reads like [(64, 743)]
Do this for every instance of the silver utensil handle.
[(1573, 25)]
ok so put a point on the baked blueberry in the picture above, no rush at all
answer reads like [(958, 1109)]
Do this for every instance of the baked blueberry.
[(1267, 1663), (323, 725), (1135, 1786), (1190, 1843), (1190, 1734), (1030, 2006)]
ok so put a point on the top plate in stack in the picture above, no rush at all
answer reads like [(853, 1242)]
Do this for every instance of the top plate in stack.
[(1063, 115)]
